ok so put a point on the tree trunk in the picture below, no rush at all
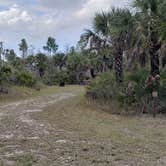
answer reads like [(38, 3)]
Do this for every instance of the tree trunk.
[(154, 54), (78, 77), (41, 72), (142, 59), (119, 66), (92, 72), (60, 67), (104, 67)]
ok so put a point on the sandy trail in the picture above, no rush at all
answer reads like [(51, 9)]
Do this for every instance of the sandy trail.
[(18, 127)]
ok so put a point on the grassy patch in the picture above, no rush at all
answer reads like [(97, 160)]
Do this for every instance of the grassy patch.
[(27, 160), (1, 163), (19, 93)]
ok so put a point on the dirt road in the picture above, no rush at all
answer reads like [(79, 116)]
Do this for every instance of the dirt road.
[(21, 137), (56, 130)]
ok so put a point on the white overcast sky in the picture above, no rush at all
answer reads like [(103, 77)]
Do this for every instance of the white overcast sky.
[(35, 20)]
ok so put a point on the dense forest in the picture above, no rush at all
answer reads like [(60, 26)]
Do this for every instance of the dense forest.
[(122, 59)]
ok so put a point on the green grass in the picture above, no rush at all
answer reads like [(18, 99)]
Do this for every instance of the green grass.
[(26, 160), (20, 93)]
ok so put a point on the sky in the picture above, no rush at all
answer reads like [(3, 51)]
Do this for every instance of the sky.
[(36, 20)]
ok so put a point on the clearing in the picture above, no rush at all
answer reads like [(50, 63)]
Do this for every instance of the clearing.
[(60, 128)]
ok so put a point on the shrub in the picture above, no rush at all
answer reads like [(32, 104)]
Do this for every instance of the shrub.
[(132, 94), (5, 72), (142, 94), (135, 93), (103, 87), (26, 79), (56, 78)]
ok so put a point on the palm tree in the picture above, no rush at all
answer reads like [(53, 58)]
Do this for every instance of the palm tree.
[(120, 31), (77, 65), (149, 12), (59, 60), (97, 40), (94, 42), (101, 27), (90, 40), (112, 30), (41, 63)]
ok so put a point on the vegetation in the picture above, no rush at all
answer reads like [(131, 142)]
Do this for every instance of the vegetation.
[(92, 103), (123, 56), (135, 45), (132, 94)]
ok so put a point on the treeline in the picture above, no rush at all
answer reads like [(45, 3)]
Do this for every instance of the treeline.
[(50, 67)]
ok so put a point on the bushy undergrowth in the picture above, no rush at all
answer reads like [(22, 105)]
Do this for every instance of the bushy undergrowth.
[(26, 79), (56, 78), (11, 76), (133, 94), (5, 72), (103, 87)]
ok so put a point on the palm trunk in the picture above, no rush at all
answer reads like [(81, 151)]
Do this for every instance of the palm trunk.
[(154, 54), (119, 66), (118, 60)]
